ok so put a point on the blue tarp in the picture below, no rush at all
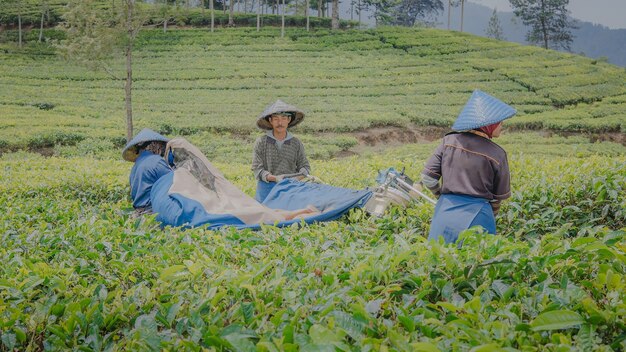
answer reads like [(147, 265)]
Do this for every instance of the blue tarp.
[(177, 210)]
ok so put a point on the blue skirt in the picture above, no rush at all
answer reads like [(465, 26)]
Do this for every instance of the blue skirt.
[(263, 189), (455, 213)]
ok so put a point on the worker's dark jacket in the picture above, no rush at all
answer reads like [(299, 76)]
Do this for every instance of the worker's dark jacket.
[(474, 172), (472, 165)]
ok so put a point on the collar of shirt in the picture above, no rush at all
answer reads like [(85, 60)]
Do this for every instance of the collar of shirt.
[(279, 144)]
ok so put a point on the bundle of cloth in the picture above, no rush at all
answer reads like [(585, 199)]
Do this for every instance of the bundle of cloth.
[(196, 194)]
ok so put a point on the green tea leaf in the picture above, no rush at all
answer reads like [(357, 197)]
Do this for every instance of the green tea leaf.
[(556, 319)]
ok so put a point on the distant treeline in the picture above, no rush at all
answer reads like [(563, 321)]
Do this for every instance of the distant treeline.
[(32, 17)]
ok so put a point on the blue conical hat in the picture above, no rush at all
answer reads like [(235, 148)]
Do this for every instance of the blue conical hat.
[(131, 151), (482, 110)]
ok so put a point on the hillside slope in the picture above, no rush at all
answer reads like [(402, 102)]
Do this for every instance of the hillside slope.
[(193, 82)]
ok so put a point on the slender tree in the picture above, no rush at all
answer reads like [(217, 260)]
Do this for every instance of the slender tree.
[(462, 13), (45, 8), (165, 11), (212, 8), (282, 21), (335, 15), (94, 35), (449, 12), (494, 28), (549, 22), (306, 13), (231, 13), (17, 7), (258, 15)]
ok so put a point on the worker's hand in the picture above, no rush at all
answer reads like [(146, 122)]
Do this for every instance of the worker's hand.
[(271, 178), (279, 178)]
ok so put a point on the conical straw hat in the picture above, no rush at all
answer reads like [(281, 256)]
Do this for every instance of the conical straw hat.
[(279, 106)]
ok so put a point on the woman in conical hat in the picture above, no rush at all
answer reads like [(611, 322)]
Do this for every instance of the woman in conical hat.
[(278, 153), (146, 150), (473, 170)]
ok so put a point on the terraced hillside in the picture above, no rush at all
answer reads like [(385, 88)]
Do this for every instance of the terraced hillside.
[(80, 273), (195, 83)]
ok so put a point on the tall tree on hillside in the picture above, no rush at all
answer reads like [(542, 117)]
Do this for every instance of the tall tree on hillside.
[(494, 28), (335, 15), (282, 21), (212, 8), (258, 15), (449, 12), (95, 34), (231, 13), (549, 22), (306, 13), (382, 10), (165, 11), (16, 7), (45, 8), (462, 13)]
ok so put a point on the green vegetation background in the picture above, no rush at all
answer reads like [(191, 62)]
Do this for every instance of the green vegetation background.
[(79, 272)]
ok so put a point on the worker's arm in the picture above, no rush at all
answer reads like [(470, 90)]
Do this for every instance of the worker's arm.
[(432, 184), (260, 173), (432, 171)]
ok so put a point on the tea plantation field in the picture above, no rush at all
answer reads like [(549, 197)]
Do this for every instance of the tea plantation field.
[(79, 273), (205, 86)]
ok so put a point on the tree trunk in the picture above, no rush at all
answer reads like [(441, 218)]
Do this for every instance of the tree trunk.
[(41, 26), (449, 12), (129, 78), (19, 25), (352, 10), (306, 13), (462, 13), (359, 13), (212, 15), (335, 19), (282, 24), (319, 8), (164, 25), (544, 29), (258, 15), (231, 20)]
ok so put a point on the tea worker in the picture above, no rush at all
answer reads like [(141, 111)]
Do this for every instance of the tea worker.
[(146, 150), (468, 171), (278, 152)]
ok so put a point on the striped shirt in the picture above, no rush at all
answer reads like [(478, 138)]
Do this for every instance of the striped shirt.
[(269, 159)]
